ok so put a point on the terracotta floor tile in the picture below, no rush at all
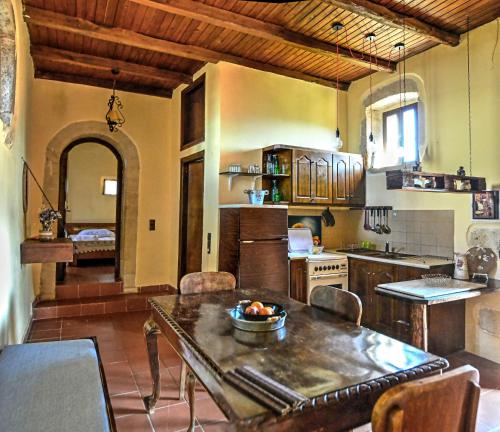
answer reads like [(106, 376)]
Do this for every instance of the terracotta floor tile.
[(112, 356), (54, 334), (119, 378), (128, 403), (171, 418), (67, 291), (216, 427), (207, 412), (134, 423), (51, 324), (65, 311), (93, 309), (169, 394)]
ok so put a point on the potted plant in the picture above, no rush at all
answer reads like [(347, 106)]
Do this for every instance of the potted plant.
[(47, 218)]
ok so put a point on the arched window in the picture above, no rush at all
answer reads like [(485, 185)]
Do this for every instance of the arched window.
[(7, 67), (396, 121)]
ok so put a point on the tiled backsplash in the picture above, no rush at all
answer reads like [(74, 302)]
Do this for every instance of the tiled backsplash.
[(423, 232)]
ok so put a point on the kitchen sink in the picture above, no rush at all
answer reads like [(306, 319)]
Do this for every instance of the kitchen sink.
[(379, 254)]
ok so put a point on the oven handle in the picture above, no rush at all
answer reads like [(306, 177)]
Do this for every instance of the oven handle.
[(329, 276)]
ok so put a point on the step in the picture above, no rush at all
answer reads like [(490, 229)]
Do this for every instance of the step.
[(65, 291), (100, 305)]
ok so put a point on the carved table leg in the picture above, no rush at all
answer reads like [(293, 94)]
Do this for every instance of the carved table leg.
[(151, 331), (182, 383), (191, 384), (419, 325)]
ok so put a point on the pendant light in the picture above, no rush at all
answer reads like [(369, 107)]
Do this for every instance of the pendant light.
[(337, 26), (469, 99), (114, 116), (370, 38)]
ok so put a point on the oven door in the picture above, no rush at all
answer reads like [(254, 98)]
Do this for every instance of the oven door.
[(337, 280)]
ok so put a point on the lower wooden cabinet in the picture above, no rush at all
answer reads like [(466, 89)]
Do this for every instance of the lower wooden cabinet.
[(397, 318), (298, 280)]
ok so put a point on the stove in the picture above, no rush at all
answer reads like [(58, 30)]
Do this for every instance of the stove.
[(325, 269)]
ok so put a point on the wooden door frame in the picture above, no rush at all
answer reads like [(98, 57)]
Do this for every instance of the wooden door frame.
[(63, 174), (183, 190)]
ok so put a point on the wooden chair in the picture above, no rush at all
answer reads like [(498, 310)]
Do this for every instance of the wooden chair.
[(445, 402), (196, 283), (343, 303)]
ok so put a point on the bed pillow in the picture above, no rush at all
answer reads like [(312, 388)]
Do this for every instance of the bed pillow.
[(97, 232)]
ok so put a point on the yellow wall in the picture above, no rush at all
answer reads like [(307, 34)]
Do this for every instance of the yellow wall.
[(88, 165), (55, 105), (16, 289), (442, 73)]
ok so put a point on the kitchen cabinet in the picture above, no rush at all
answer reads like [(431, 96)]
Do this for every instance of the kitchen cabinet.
[(298, 280), (348, 180), (399, 318), (316, 177), (312, 177), (253, 246)]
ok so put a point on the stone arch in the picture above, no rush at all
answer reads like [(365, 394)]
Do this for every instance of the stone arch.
[(8, 65), (389, 87), (130, 203)]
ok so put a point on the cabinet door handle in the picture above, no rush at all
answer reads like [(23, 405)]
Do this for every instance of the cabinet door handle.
[(248, 241), (402, 322)]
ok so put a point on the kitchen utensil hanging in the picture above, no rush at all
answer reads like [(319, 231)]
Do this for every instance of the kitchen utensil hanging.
[(377, 219)]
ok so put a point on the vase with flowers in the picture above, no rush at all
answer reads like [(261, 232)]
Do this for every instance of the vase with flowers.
[(47, 218)]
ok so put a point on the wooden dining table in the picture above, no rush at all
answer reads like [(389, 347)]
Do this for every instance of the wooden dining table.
[(341, 369)]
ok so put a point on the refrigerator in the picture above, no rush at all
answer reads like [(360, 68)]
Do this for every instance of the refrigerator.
[(253, 246)]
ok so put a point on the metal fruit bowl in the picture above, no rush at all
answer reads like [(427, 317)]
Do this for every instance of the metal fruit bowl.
[(242, 305), (436, 280)]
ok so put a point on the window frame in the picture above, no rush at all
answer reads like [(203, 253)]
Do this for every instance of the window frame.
[(400, 115)]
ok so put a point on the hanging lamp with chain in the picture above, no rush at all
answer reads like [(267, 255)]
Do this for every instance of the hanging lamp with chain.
[(337, 27), (114, 116)]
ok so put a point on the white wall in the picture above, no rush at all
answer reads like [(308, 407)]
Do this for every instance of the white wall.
[(88, 165)]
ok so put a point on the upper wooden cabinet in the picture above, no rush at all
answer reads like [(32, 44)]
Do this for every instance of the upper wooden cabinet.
[(316, 177), (348, 179), (312, 177)]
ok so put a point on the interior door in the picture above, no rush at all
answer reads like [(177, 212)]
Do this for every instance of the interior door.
[(341, 190), (191, 220), (356, 180), (322, 180)]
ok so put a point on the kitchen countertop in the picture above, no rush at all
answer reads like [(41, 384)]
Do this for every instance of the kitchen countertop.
[(310, 256), (274, 206), (493, 285), (424, 262)]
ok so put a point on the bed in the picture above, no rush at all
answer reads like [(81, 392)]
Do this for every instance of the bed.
[(92, 241)]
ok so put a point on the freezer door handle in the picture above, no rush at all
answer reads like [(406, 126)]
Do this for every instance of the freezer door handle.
[(248, 241)]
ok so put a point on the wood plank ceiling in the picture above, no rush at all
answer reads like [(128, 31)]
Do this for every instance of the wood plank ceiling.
[(160, 44)]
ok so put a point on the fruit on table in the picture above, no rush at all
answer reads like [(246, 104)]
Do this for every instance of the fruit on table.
[(257, 304), (267, 310), (252, 310)]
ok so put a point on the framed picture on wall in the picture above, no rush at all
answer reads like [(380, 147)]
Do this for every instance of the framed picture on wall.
[(485, 205)]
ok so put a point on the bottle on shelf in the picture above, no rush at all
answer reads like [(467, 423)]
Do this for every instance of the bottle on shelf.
[(275, 193), (276, 165), (270, 164)]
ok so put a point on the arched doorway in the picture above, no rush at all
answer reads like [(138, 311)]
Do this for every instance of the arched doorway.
[(91, 130), (87, 187)]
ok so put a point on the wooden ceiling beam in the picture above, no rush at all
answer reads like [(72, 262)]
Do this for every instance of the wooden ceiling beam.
[(74, 25), (105, 64), (386, 16), (97, 82), (265, 30)]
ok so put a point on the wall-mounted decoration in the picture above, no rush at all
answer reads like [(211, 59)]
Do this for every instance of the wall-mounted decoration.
[(7, 70), (485, 205)]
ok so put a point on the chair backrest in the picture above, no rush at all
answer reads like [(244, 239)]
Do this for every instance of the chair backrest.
[(201, 282), (343, 303), (445, 402)]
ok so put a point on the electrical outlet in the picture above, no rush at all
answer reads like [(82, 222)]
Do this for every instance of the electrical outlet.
[(152, 225)]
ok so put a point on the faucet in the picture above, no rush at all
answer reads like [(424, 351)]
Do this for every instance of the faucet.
[(387, 247)]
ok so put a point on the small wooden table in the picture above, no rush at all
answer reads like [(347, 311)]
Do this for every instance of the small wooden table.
[(342, 369)]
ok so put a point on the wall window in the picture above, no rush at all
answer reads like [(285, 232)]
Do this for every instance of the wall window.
[(110, 187), (395, 127), (400, 129)]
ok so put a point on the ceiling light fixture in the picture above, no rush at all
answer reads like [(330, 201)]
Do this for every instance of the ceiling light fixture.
[(370, 37), (337, 26), (114, 116)]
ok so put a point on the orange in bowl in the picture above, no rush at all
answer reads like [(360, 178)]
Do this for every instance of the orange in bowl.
[(266, 311), (257, 304)]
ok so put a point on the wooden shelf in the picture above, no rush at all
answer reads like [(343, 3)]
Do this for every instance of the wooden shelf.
[(276, 175), (443, 183), (230, 175), (46, 251)]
